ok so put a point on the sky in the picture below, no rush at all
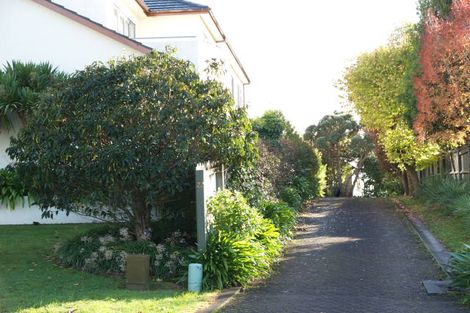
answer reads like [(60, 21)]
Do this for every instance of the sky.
[(295, 51)]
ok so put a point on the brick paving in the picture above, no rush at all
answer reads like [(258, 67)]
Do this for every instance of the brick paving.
[(350, 256)]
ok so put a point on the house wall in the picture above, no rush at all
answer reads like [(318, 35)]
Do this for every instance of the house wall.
[(31, 32), (47, 36)]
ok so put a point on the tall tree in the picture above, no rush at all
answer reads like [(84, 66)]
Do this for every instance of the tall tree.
[(443, 88), (332, 137), (120, 139), (380, 87)]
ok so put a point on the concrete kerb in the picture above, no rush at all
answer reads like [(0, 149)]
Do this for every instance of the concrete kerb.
[(222, 300), (437, 250), (439, 253)]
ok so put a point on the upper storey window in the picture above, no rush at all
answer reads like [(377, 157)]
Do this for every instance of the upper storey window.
[(124, 25)]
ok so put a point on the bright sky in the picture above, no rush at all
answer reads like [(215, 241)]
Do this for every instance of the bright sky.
[(295, 50)]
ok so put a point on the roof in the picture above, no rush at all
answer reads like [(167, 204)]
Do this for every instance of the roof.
[(157, 6), (94, 25)]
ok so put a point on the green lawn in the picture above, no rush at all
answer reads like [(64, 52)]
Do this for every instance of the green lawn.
[(451, 230), (31, 282)]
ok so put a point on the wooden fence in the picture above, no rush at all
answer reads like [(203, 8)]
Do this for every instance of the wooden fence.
[(455, 164)]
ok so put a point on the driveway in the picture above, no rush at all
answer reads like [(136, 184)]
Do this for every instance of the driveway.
[(350, 256)]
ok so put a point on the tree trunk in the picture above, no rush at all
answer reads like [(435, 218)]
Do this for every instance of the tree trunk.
[(413, 181), (348, 186), (356, 172), (406, 186), (141, 219)]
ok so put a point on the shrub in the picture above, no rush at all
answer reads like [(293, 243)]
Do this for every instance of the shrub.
[(229, 261), (105, 251), (12, 190), (281, 215), (103, 131), (242, 245), (447, 193), (459, 268), (233, 215), (291, 197)]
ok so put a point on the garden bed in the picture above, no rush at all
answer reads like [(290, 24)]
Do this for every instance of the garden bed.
[(31, 281)]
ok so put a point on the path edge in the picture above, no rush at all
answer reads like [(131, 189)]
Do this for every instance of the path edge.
[(225, 297), (437, 250)]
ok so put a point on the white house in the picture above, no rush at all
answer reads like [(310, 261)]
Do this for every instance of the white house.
[(71, 34)]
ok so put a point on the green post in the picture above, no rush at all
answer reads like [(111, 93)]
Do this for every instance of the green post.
[(201, 209)]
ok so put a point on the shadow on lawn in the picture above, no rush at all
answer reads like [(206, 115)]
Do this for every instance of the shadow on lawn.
[(30, 279)]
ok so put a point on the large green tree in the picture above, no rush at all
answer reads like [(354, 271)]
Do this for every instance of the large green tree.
[(380, 87), (287, 164), (336, 137), (120, 139)]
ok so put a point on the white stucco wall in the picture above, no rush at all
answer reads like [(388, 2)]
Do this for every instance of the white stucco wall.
[(31, 32)]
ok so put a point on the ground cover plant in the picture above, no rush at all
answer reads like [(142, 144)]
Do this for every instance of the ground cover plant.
[(104, 250), (31, 282)]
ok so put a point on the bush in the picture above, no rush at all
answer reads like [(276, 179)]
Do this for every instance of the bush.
[(459, 268), (281, 215), (12, 190), (233, 215), (229, 261), (291, 197), (105, 251), (447, 193), (242, 245)]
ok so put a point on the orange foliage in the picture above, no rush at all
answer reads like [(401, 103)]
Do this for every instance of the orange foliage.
[(443, 89)]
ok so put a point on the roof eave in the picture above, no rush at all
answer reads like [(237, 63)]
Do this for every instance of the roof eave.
[(94, 26), (219, 28), (176, 12)]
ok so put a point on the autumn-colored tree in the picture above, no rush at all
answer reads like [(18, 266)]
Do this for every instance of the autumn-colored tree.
[(380, 87), (443, 88)]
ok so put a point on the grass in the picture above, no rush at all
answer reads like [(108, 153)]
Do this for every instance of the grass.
[(450, 229), (30, 282)]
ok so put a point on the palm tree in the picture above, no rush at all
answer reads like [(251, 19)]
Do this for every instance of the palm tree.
[(21, 85)]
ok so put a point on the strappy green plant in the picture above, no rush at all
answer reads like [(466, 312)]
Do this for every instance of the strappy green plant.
[(21, 85)]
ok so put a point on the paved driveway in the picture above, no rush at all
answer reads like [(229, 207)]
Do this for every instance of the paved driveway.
[(350, 256)]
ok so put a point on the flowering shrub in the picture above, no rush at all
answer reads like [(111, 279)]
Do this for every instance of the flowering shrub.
[(106, 250)]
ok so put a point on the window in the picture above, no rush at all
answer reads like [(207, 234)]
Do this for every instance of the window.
[(124, 25)]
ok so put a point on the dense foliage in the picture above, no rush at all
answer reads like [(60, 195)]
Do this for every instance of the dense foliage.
[(21, 86), (452, 196), (121, 139), (287, 165), (12, 190), (443, 88), (105, 251), (281, 215), (459, 268), (242, 245), (380, 86), (343, 149)]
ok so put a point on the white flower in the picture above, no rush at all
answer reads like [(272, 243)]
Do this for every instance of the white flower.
[(102, 249), (106, 239), (124, 234), (94, 256), (158, 257), (86, 239), (108, 254), (82, 250), (174, 255), (160, 248)]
